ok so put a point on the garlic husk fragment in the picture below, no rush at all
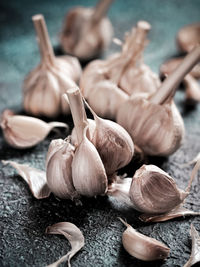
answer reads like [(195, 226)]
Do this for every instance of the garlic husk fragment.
[(24, 131), (195, 254), (59, 170), (73, 235), (36, 179), (143, 247), (113, 143), (44, 86), (188, 37), (192, 93), (88, 172), (154, 191), (87, 32)]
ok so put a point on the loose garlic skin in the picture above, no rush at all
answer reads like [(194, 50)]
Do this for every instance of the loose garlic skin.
[(143, 247), (156, 129), (153, 191), (82, 37), (59, 171)]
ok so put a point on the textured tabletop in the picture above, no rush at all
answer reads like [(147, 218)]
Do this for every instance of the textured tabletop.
[(23, 219)]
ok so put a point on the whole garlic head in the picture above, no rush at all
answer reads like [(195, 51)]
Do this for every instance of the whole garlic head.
[(44, 86), (153, 191), (86, 31)]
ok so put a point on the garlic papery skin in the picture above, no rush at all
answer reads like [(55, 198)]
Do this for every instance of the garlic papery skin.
[(87, 32), (153, 191), (88, 172), (143, 247), (113, 143), (59, 170), (23, 131), (44, 86)]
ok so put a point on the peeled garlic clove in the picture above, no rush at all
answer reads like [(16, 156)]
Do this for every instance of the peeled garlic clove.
[(154, 191), (192, 93), (195, 255), (113, 143), (73, 235), (23, 131), (43, 87), (58, 169), (87, 31), (143, 247), (88, 172), (36, 179), (188, 37)]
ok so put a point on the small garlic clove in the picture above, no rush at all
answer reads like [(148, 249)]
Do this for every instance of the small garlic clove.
[(73, 235), (88, 172), (58, 169), (36, 179), (143, 247), (192, 93), (175, 213), (23, 131), (113, 143), (153, 191), (195, 255)]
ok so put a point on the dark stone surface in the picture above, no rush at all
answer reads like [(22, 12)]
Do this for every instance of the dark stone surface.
[(23, 219)]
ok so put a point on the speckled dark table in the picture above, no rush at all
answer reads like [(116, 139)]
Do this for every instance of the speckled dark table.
[(23, 219)]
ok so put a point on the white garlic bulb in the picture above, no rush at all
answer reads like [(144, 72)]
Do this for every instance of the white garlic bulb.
[(44, 86), (155, 123), (59, 170), (87, 32), (141, 246), (23, 132)]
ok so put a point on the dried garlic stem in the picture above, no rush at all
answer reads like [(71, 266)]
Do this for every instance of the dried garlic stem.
[(46, 50), (193, 174), (101, 10), (77, 110), (168, 88)]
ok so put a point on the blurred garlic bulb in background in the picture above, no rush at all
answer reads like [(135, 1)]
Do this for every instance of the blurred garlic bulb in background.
[(87, 32), (155, 124), (107, 84), (44, 86), (23, 132)]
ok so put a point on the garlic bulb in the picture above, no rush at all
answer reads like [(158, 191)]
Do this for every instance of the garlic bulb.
[(23, 131), (87, 32), (58, 169), (155, 124), (188, 37), (192, 93), (143, 247), (107, 84), (113, 144), (44, 86)]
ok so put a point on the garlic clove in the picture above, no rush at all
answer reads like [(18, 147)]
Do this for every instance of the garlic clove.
[(188, 37), (154, 191), (175, 213), (192, 93), (36, 179), (88, 172), (143, 247), (87, 32), (58, 169), (113, 143), (73, 235), (43, 87), (23, 131), (195, 254)]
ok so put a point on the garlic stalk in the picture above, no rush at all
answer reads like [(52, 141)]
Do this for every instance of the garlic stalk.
[(44, 86), (59, 170), (73, 235), (155, 124), (195, 255), (36, 179), (87, 32), (143, 247), (23, 131)]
